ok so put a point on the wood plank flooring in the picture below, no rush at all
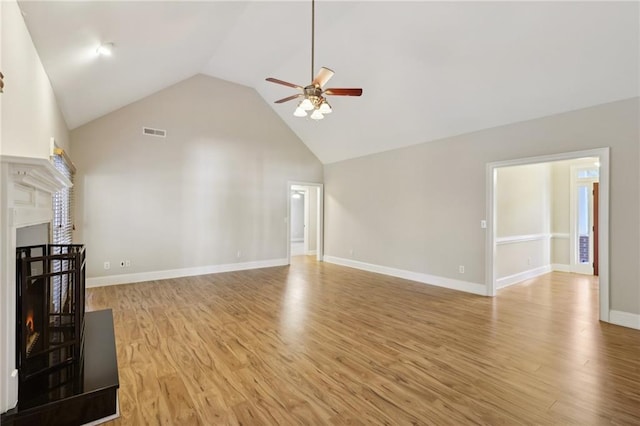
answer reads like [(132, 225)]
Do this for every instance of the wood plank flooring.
[(317, 343)]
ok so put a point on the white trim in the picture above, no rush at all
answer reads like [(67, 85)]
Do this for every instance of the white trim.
[(625, 319), (25, 199), (434, 280), (522, 238), (521, 276), (305, 229), (603, 227), (490, 235), (184, 272), (312, 252), (561, 235), (38, 173), (560, 267), (574, 183)]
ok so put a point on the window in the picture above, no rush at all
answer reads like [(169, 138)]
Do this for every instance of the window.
[(588, 173), (63, 202), (62, 232), (582, 250)]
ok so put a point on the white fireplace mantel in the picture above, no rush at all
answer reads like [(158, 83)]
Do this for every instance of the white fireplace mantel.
[(29, 185), (26, 187)]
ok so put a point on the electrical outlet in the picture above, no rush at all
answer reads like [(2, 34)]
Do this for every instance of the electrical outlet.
[(122, 263), (350, 252), (529, 261), (461, 269), (107, 265), (483, 224), (127, 263), (238, 254)]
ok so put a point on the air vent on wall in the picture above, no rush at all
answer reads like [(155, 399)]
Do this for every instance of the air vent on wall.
[(154, 132)]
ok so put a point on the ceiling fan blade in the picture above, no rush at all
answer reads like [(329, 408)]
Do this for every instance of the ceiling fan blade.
[(284, 83), (288, 98), (343, 92), (323, 76)]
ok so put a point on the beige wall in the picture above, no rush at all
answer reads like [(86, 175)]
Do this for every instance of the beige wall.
[(560, 221), (419, 208), (523, 215), (30, 113), (522, 200), (215, 186)]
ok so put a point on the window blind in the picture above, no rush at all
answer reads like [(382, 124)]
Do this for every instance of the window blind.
[(63, 203), (62, 232)]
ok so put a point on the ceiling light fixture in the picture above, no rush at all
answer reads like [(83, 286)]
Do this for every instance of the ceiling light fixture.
[(317, 115), (300, 112), (105, 49), (314, 95)]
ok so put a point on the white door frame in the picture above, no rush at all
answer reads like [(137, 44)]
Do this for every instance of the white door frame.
[(319, 215), (602, 154), (305, 219)]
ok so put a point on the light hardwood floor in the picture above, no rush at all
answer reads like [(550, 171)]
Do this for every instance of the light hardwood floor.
[(316, 343)]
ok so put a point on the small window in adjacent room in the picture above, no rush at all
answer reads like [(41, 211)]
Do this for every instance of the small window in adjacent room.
[(588, 173)]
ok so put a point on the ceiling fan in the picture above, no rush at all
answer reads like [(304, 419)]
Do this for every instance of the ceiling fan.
[(314, 94)]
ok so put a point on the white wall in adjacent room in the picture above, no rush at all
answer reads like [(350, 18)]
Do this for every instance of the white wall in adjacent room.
[(297, 217), (523, 216)]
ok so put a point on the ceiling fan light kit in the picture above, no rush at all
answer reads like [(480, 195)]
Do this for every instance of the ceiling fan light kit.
[(314, 94), (105, 49)]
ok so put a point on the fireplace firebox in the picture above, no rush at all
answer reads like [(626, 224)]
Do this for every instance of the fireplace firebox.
[(50, 316)]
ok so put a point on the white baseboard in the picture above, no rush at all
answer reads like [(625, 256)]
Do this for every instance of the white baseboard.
[(625, 319), (521, 276), (560, 267), (312, 252), (434, 280), (184, 272)]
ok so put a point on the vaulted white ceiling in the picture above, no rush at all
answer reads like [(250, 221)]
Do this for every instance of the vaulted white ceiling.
[(429, 70)]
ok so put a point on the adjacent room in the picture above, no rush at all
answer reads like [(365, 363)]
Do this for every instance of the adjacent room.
[(319, 212)]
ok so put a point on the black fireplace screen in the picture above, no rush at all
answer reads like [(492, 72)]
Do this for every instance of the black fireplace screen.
[(50, 312)]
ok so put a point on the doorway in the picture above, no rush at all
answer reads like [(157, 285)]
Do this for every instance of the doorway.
[(305, 219), (601, 155), (300, 222), (584, 212)]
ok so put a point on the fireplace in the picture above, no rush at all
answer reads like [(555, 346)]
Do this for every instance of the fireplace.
[(49, 316), (26, 213), (58, 364)]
